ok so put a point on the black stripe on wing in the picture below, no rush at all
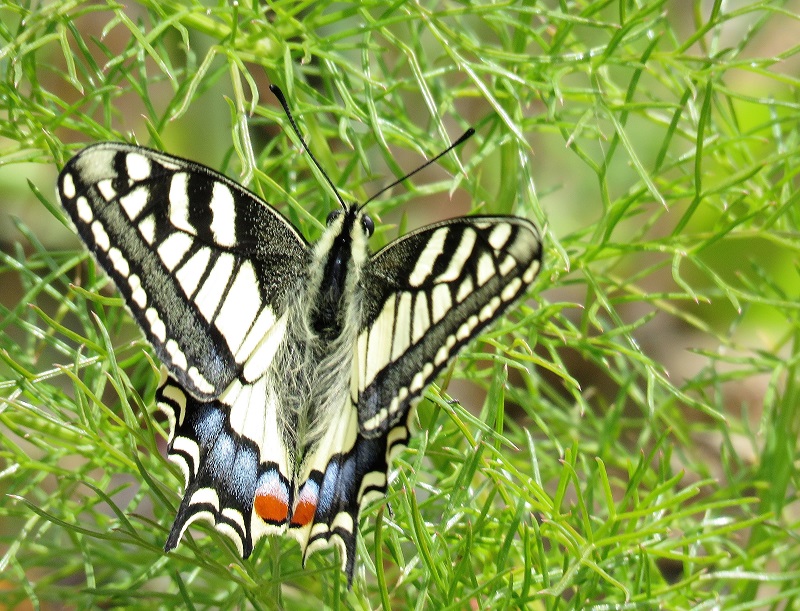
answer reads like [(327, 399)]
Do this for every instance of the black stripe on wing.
[(203, 264), (427, 295)]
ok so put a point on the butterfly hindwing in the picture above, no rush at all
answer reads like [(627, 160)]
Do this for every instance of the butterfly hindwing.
[(348, 471), (202, 263), (220, 467), (230, 485)]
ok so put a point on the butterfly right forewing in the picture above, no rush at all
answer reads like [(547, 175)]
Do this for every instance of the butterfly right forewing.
[(428, 294)]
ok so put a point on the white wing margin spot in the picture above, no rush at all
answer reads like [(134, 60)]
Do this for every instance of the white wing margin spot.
[(137, 166)]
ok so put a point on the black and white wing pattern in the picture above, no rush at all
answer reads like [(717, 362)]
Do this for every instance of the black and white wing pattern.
[(176, 237), (290, 369), (427, 295)]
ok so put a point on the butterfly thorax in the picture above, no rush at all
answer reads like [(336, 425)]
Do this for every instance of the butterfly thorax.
[(324, 314), (328, 316)]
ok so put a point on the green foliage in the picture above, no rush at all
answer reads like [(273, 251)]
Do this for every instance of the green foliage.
[(628, 435)]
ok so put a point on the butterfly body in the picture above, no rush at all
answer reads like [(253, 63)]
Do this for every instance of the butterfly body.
[(290, 368)]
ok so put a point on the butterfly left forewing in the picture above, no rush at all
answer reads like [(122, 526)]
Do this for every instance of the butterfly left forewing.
[(203, 264)]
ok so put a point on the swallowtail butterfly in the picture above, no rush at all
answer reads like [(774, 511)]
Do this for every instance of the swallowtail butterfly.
[(289, 368)]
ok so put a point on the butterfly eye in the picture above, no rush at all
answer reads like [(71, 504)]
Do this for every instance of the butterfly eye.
[(332, 216), (368, 224)]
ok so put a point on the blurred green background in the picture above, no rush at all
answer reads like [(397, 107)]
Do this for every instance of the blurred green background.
[(641, 452)]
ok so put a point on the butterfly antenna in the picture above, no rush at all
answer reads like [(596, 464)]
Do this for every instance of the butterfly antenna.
[(465, 136), (279, 94)]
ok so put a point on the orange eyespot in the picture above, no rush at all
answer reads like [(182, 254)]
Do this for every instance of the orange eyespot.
[(306, 506), (270, 508)]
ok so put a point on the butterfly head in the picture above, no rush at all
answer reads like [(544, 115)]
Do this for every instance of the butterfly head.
[(351, 219)]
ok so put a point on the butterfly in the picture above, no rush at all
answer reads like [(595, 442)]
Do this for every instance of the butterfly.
[(289, 368)]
